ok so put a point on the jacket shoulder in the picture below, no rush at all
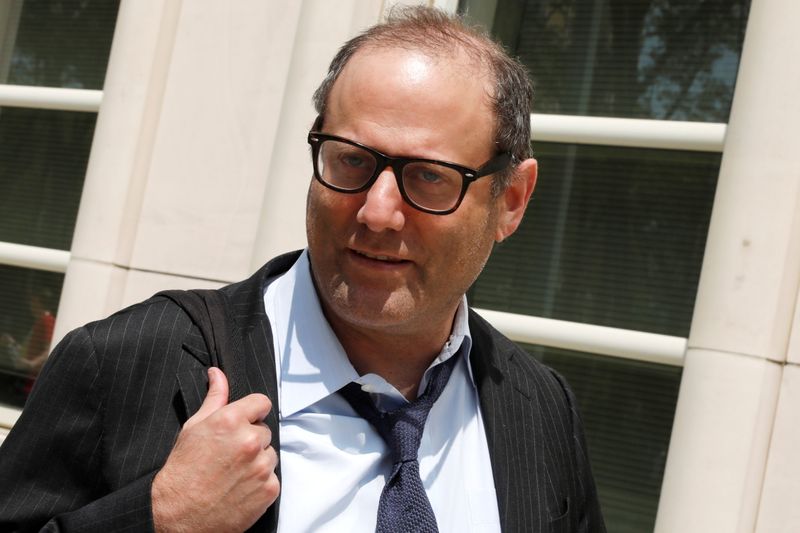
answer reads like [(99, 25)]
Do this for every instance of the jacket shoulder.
[(153, 320), (495, 351)]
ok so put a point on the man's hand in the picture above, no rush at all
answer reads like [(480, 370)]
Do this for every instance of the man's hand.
[(220, 476)]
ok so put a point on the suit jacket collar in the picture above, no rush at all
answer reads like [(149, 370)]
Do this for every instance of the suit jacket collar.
[(246, 296), (248, 305)]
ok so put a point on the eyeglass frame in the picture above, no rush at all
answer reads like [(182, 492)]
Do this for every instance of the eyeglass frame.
[(497, 163)]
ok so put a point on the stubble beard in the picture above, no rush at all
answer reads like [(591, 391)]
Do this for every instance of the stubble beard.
[(406, 308)]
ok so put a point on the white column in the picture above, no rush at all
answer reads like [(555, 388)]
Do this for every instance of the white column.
[(184, 139), (199, 163), (324, 26), (779, 511), (116, 176), (738, 346)]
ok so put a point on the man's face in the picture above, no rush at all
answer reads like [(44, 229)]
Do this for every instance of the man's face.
[(379, 264)]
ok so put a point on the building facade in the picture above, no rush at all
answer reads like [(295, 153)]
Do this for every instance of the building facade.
[(161, 144)]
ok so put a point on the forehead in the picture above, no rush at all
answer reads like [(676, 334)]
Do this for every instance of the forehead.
[(413, 102)]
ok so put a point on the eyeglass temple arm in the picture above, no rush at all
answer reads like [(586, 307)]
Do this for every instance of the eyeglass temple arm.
[(496, 164)]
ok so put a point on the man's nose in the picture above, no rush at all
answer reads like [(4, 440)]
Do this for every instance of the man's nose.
[(383, 204)]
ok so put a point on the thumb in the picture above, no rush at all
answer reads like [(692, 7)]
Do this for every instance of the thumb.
[(217, 396)]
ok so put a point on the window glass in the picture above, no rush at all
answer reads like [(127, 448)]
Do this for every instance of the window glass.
[(43, 157), (661, 59), (613, 236), (56, 43), (28, 304), (627, 409)]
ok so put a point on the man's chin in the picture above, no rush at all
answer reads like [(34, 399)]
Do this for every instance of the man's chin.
[(374, 309)]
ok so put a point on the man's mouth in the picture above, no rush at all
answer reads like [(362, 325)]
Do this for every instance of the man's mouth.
[(378, 257)]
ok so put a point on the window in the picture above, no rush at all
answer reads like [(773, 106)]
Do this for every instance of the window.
[(57, 43), (659, 59), (615, 236), (43, 157)]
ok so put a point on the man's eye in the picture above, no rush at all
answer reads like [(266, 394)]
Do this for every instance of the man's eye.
[(426, 176), (353, 160), (431, 177)]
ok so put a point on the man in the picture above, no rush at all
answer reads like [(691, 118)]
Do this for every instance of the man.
[(421, 163)]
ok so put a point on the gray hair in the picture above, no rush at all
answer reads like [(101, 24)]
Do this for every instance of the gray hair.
[(434, 31)]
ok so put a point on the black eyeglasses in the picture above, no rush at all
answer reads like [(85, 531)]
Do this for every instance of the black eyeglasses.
[(435, 187)]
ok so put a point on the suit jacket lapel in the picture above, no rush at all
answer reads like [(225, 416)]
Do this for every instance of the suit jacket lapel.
[(507, 404), (191, 374), (258, 352), (246, 299)]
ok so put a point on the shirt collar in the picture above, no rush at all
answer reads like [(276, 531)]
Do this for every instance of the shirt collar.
[(311, 362)]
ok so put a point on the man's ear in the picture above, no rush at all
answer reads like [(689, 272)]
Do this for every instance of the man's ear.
[(512, 202)]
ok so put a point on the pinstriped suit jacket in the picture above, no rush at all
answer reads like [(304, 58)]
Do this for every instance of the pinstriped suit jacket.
[(111, 400)]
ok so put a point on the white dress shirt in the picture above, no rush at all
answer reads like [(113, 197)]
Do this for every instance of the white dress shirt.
[(333, 463)]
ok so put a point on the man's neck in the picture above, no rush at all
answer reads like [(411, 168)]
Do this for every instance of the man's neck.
[(399, 358)]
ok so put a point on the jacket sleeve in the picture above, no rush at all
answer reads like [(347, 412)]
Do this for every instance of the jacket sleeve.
[(51, 463)]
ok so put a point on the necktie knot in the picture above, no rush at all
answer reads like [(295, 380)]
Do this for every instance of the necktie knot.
[(402, 431)]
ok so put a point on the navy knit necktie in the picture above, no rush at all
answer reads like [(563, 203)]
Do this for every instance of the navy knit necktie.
[(403, 506)]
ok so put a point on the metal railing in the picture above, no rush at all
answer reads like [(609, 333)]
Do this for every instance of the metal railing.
[(629, 132), (50, 98), (22, 255)]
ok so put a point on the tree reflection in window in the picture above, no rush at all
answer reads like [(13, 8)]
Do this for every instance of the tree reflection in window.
[(661, 59)]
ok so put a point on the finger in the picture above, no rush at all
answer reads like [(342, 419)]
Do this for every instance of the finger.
[(256, 439), (217, 396), (265, 435), (254, 407), (272, 457)]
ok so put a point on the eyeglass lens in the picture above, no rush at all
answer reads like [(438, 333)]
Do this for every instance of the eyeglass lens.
[(429, 185)]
